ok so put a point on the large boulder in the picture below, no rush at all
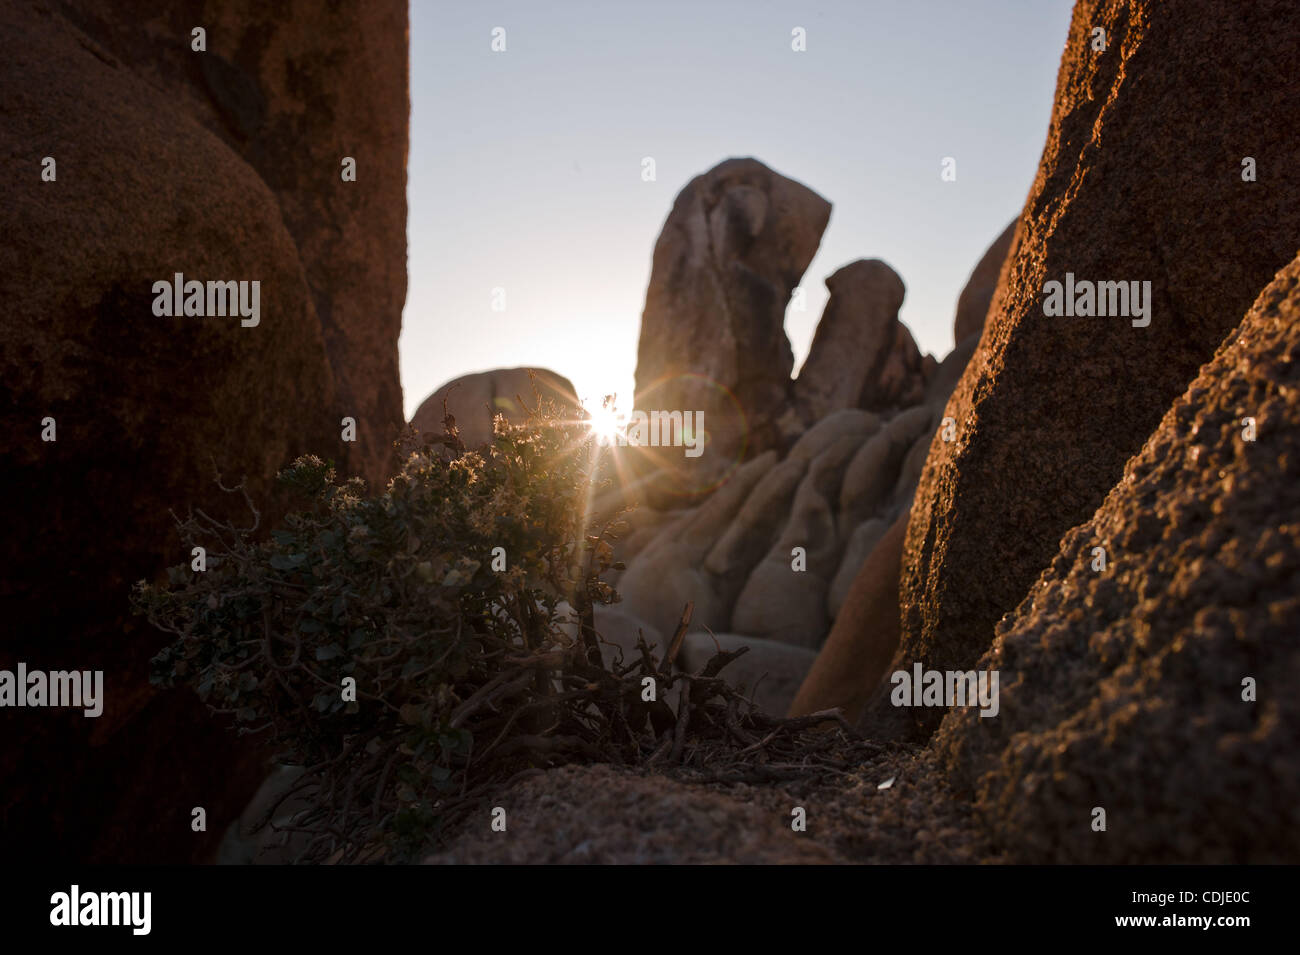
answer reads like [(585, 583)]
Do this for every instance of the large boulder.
[(670, 571), (617, 629), (149, 183), (295, 88), (735, 245), (861, 355), (642, 526), (1141, 180), (784, 597), (948, 372), (832, 429), (873, 472), (263, 834), (754, 529), (864, 637), (769, 672), (973, 303), (862, 541), (473, 400), (843, 482), (1161, 688), (771, 506)]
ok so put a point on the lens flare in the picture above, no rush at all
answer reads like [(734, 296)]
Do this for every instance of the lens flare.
[(604, 421)]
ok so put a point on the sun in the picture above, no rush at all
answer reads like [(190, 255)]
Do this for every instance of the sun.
[(604, 421)]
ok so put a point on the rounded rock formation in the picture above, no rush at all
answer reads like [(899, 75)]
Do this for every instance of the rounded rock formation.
[(1160, 687), (713, 338), (473, 400)]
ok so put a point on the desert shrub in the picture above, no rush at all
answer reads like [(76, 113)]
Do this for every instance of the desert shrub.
[(397, 593), (463, 676)]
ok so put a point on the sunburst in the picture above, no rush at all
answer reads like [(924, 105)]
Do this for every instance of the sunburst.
[(605, 422)]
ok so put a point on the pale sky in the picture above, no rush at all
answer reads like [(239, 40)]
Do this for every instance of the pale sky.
[(525, 165)]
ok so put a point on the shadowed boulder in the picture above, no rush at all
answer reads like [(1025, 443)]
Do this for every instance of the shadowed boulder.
[(973, 303), (293, 88), (473, 400), (671, 570), (1127, 688), (864, 636), (735, 245), (1140, 180), (150, 182), (769, 672), (861, 356)]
